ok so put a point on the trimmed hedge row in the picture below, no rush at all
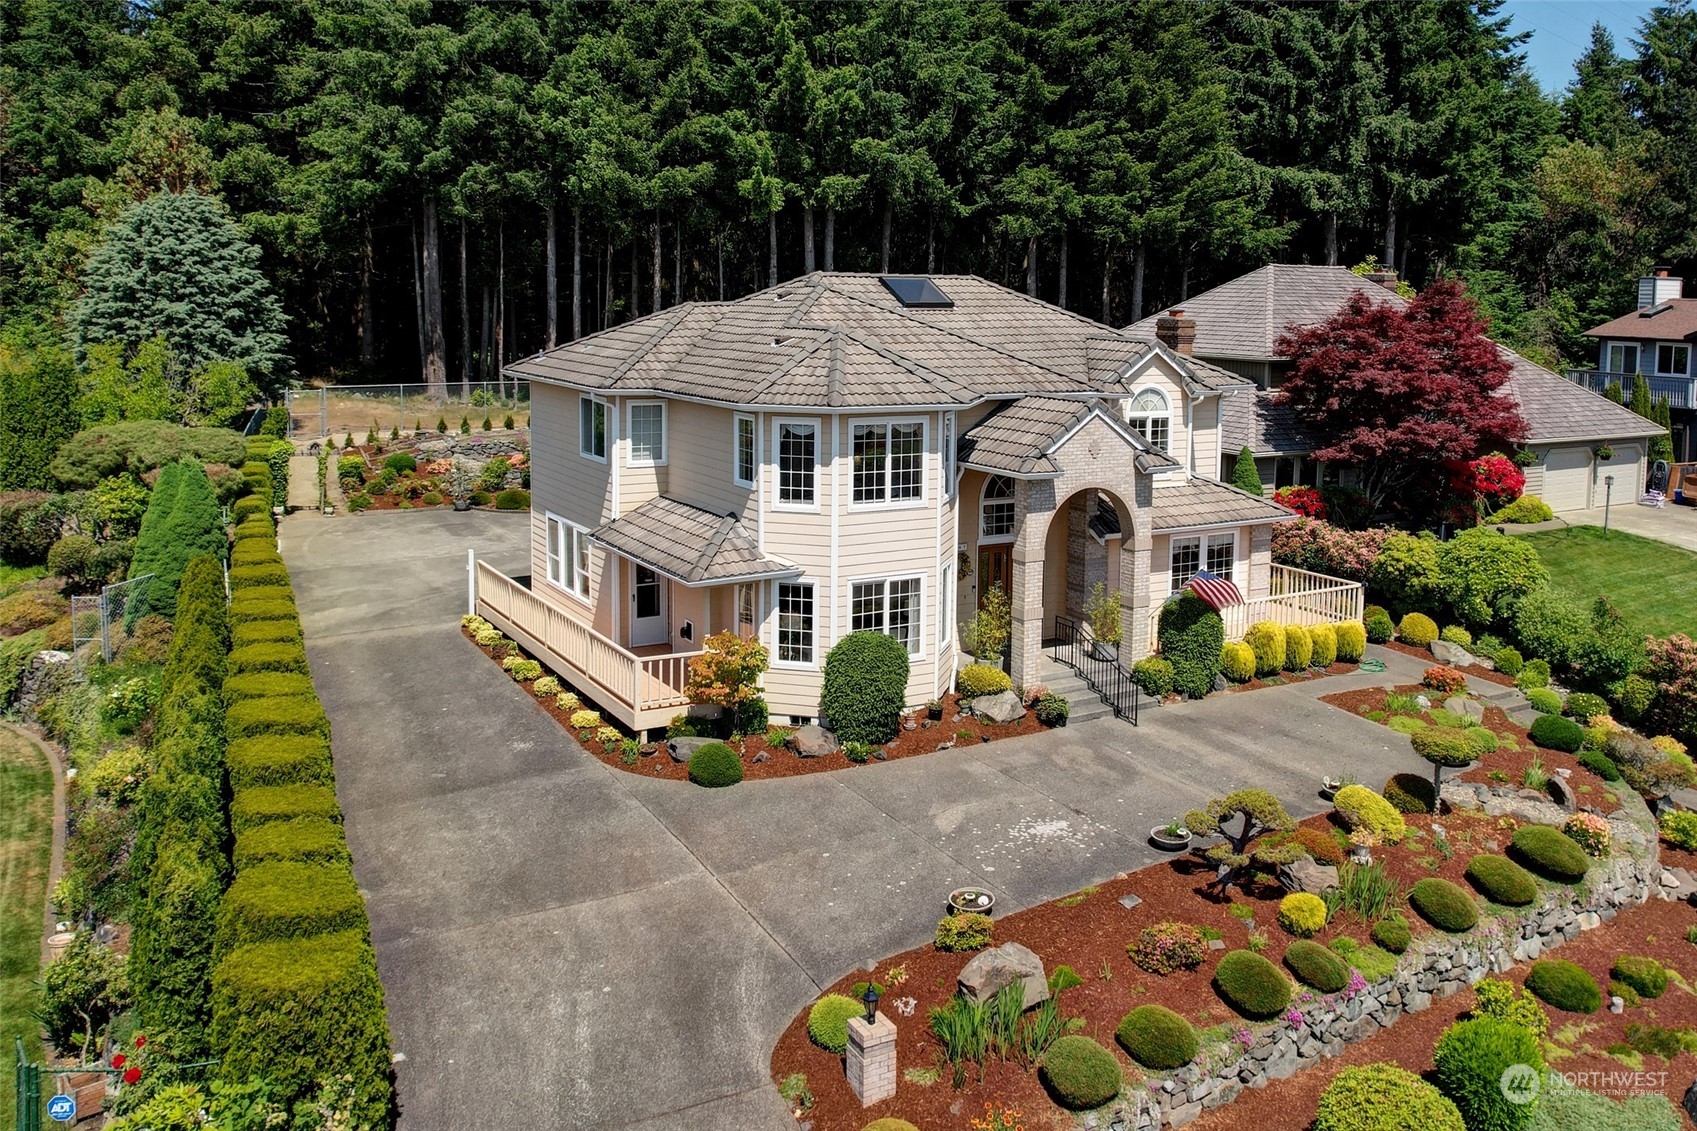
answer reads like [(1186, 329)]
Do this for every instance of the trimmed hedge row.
[(312, 840), (279, 657), (276, 715), (259, 685), (288, 899), (286, 759)]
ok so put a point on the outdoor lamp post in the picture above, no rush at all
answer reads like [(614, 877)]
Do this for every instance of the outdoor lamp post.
[(1608, 497), (870, 997)]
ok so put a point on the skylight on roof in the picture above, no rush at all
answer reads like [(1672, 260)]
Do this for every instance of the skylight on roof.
[(916, 291)]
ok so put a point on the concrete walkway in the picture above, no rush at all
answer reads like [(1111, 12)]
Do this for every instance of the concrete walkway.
[(567, 944), (1675, 525), (303, 483)]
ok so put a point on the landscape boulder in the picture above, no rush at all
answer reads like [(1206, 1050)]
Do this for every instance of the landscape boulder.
[(1309, 876), (1002, 707), (813, 742), (990, 970), (681, 748), (1453, 654), (1467, 708)]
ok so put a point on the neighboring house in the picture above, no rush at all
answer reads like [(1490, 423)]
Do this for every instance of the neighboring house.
[(1239, 323), (855, 452), (1655, 340)]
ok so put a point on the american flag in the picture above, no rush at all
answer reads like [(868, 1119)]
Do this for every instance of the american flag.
[(1216, 591)]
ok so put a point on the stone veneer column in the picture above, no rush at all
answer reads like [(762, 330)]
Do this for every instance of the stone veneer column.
[(1034, 502), (871, 1063)]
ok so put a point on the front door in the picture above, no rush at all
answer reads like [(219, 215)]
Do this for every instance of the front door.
[(995, 567), (648, 608)]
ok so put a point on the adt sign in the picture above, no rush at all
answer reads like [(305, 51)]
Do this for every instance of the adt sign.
[(62, 1109)]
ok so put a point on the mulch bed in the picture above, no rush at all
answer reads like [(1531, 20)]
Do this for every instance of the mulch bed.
[(1308, 676), (954, 729), (1490, 675), (422, 483)]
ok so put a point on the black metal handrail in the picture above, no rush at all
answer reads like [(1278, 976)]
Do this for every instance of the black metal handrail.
[(1107, 678)]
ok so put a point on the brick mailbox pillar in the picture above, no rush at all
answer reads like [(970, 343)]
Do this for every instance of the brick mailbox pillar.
[(872, 1059)]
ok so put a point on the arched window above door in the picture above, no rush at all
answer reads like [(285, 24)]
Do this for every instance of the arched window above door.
[(996, 514), (1151, 415)]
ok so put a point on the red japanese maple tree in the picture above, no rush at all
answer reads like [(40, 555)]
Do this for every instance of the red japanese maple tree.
[(1396, 392)]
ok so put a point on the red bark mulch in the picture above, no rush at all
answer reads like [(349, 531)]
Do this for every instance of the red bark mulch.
[(1283, 678)]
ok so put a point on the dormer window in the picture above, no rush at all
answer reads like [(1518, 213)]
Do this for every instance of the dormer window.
[(1151, 416)]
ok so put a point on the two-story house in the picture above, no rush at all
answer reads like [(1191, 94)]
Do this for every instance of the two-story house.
[(847, 453), (1238, 327), (1655, 340)]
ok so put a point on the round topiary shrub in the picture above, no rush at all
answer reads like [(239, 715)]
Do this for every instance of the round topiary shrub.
[(1455, 634), (1534, 673), (513, 499), (1564, 985), (1472, 1057), (1302, 914), (1191, 635), (1155, 676), (982, 679), (1299, 648), (1360, 807), (1352, 640), (1444, 905), (1418, 630), (1383, 1097), (1508, 661), (1378, 624), (1501, 880), (1550, 853), (1392, 933), (1156, 1037), (865, 687), (1544, 701), (1266, 639), (1582, 707), (1252, 985), (1324, 638), (1645, 975), (714, 766), (1600, 764), (1237, 661), (1316, 966), (401, 463), (1410, 793), (1484, 740), (1556, 733), (827, 1021), (1079, 1073)]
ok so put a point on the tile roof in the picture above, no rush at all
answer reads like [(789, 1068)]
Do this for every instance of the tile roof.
[(1674, 320), (1208, 502), (842, 340), (1264, 426), (1019, 438), (687, 543), (1242, 318)]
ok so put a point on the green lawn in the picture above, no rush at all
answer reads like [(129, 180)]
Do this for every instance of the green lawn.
[(26, 842), (1650, 582)]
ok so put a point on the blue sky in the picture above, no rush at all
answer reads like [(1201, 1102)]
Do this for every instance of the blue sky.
[(1561, 30)]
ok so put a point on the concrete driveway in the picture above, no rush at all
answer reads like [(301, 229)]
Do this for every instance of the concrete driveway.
[(566, 944), (1675, 525)]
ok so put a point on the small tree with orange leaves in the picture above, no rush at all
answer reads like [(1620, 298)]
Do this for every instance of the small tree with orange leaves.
[(727, 675)]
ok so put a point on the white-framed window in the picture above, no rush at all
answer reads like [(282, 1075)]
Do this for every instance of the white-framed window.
[(893, 606), (948, 451), (647, 432), (591, 427), (795, 623), (945, 614), (797, 444), (996, 512), (1620, 357), (1675, 360), (568, 555), (889, 461), (746, 445), (1186, 559), (1151, 416), (1221, 556), (746, 615)]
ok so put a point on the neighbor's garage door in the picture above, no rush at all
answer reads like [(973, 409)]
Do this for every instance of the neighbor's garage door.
[(1567, 479), (1629, 471)]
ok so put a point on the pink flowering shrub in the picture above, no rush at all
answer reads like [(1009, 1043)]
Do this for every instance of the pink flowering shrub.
[(1317, 545), (1671, 664), (1444, 680), (1168, 946)]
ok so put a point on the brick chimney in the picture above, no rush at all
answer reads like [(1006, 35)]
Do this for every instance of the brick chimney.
[(1384, 276), (1176, 332)]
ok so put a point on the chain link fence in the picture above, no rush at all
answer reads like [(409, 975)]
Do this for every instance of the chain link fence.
[(101, 618), (341, 410)]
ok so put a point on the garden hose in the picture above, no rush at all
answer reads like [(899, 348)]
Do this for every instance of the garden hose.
[(1372, 665)]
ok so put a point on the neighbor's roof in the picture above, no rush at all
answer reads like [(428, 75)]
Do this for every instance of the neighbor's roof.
[(689, 544), (842, 340), (1208, 502), (1558, 409), (1264, 426), (1672, 320), (1020, 438)]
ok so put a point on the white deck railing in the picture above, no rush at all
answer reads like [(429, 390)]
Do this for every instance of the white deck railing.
[(1295, 596), (638, 690)]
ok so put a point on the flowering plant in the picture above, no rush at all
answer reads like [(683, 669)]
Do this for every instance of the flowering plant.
[(1313, 544), (1363, 837), (1305, 501), (1295, 1017), (1168, 946), (1444, 680), (1590, 832), (1356, 984), (1244, 1037), (1490, 481), (999, 1118)]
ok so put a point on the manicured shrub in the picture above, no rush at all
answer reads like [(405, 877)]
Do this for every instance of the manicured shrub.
[(1590, 832), (1562, 1107), (266, 632), (310, 840), (254, 551), (247, 507), (246, 610), (1632, 697), (1444, 747), (1418, 630), (521, 668), (1564, 985), (1079, 1073), (1544, 701), (1191, 635), (1582, 707), (1411, 793), (268, 658), (1155, 676), (1374, 963), (1156, 1037), (1508, 661), (1501, 880), (1481, 572), (254, 807), (1535, 673), (1302, 914), (1471, 1058), (1267, 640), (288, 899), (1556, 733), (1548, 853), (1324, 639), (966, 930), (401, 463), (1392, 933), (1527, 508), (1378, 624), (1299, 648), (1600, 764), (299, 1012), (1679, 829), (1319, 845), (276, 715), (865, 687), (513, 499), (982, 679), (1502, 1000), (1251, 985), (827, 1021), (1443, 680), (1483, 740), (715, 765), (1384, 1097), (1237, 661), (258, 685), (273, 574), (1444, 905), (1352, 641), (1405, 573), (1052, 710), (1166, 947), (1645, 975), (1316, 966), (1360, 807), (1455, 634)]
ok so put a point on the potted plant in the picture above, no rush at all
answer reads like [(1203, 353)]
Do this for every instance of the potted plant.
[(1103, 612), (1330, 784), (991, 628), (973, 900), (1361, 844), (1603, 452), (1170, 837), (934, 710)]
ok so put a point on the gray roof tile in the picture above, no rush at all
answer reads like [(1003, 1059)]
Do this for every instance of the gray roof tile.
[(1208, 502), (689, 544), (1019, 438)]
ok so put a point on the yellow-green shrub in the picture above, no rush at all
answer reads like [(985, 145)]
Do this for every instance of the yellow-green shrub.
[(1362, 808), (1352, 641), (1267, 640), (1302, 914), (585, 720), (1299, 648), (1237, 661), (1324, 637), (1417, 629), (982, 679)]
